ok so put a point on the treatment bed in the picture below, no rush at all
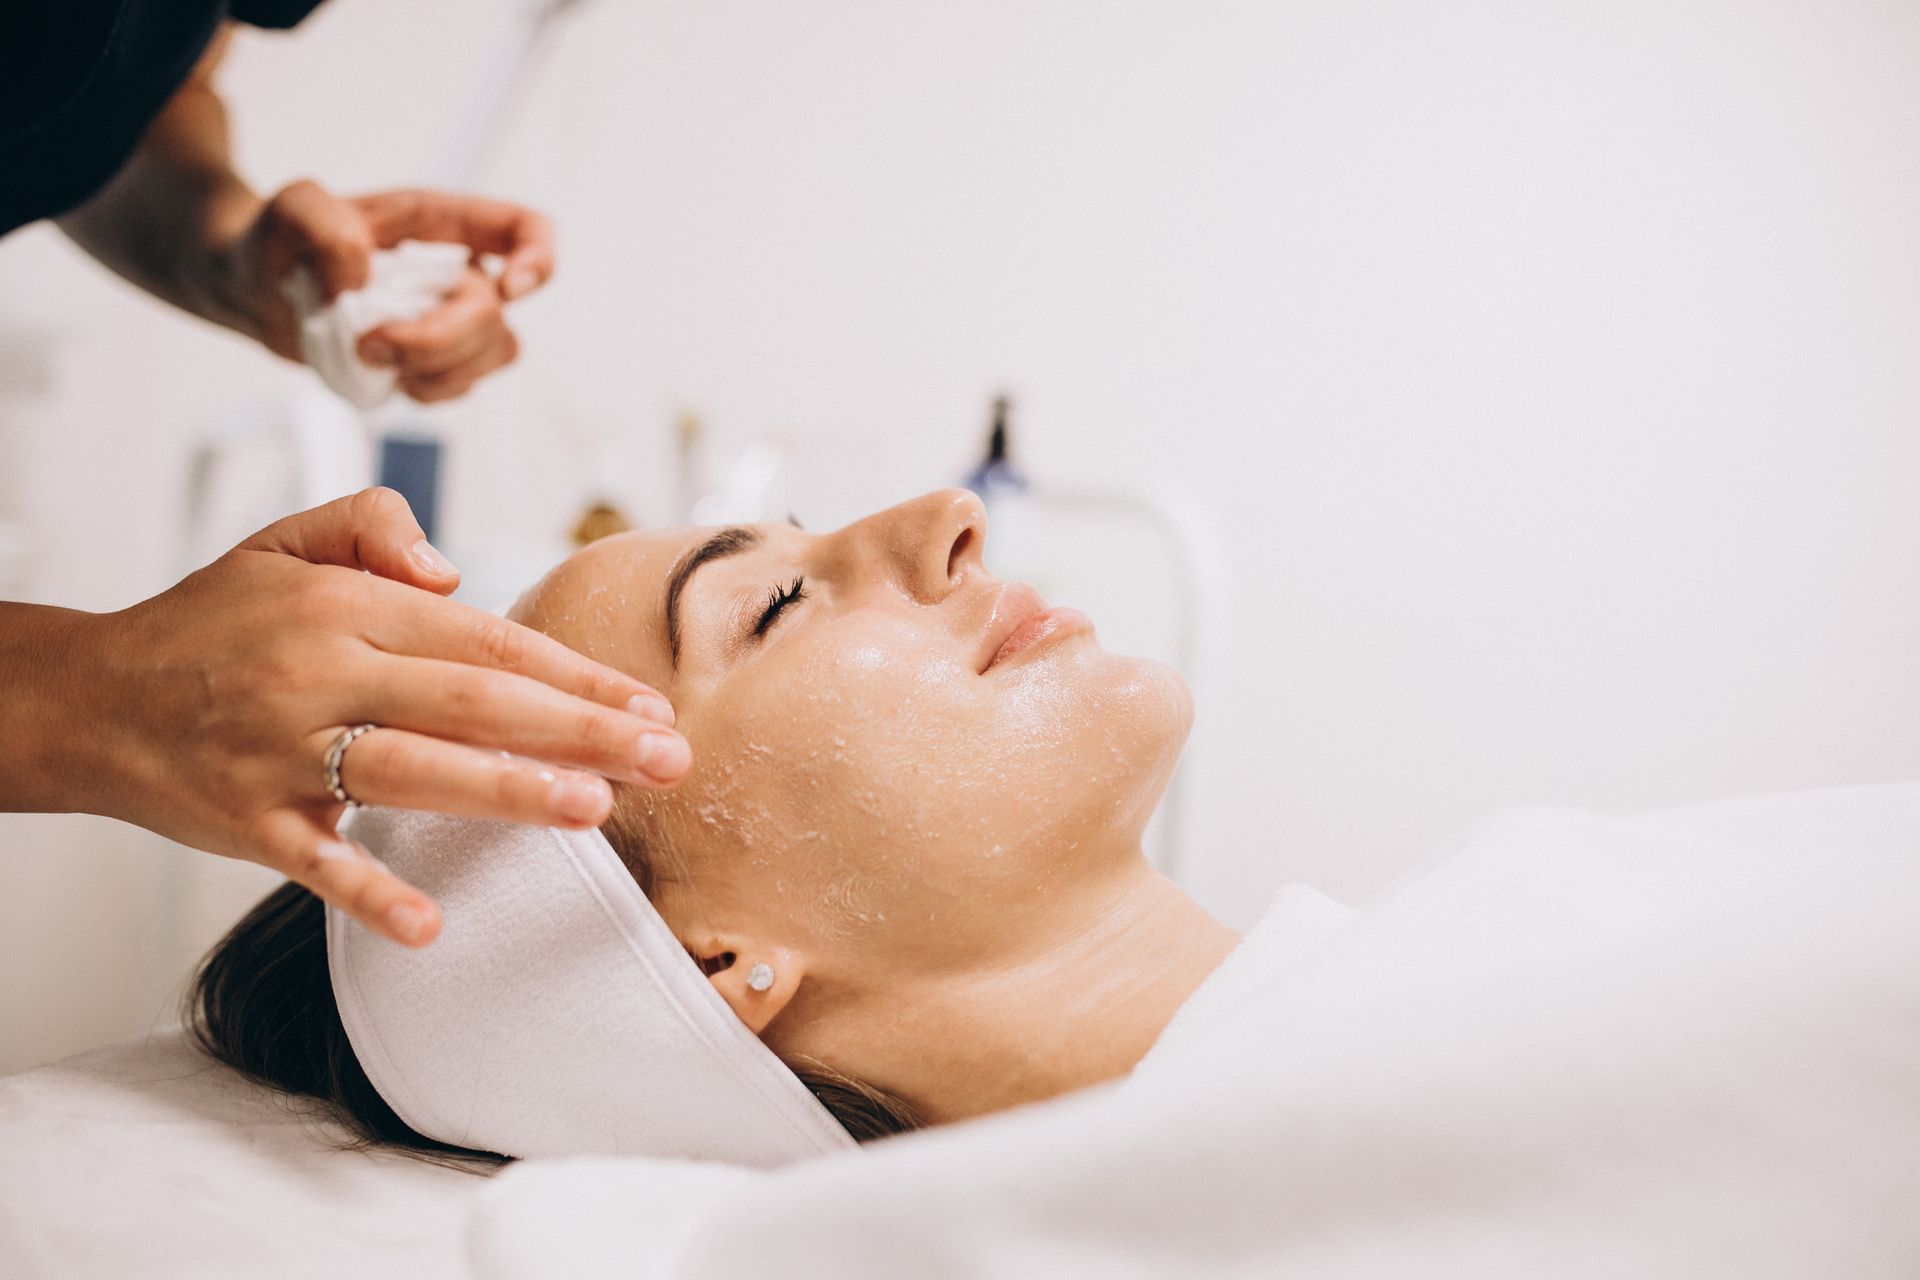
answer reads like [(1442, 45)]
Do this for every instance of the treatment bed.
[(149, 1159)]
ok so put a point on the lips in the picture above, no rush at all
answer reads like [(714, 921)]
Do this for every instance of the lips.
[(1020, 621), (1015, 603), (1039, 629)]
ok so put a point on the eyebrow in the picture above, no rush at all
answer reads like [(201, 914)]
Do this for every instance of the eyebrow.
[(727, 542)]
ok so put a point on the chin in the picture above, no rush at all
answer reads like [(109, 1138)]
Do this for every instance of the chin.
[(1152, 691), (1140, 713), (1166, 708), (1179, 695), (1092, 739)]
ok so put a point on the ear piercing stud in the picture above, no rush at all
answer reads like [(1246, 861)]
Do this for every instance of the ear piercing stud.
[(760, 977)]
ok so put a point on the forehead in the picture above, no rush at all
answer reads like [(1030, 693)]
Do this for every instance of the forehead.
[(605, 600), (608, 600)]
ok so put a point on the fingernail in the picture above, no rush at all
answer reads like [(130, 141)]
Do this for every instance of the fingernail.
[(663, 756), (431, 560), (407, 921), (377, 352), (520, 280), (578, 799), (341, 849), (652, 707)]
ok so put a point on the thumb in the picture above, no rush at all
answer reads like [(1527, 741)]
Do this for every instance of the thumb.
[(373, 529), (327, 233)]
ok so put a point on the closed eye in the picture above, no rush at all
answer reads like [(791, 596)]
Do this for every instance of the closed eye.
[(777, 601)]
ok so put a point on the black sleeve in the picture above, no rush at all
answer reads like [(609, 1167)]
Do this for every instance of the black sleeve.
[(278, 14)]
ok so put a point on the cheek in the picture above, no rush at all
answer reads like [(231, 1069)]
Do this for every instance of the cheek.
[(817, 778), (954, 785), (869, 780)]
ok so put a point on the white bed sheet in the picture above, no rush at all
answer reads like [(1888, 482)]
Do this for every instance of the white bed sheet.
[(1681, 1045), (149, 1159)]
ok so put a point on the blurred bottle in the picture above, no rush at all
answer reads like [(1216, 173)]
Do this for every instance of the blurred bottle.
[(997, 477), (600, 520), (410, 462), (1015, 516)]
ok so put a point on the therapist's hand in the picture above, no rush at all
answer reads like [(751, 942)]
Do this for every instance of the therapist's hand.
[(441, 354), (214, 703)]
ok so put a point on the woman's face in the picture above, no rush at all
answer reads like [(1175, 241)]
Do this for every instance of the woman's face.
[(901, 765)]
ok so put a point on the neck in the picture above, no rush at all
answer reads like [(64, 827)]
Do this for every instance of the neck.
[(1083, 1007)]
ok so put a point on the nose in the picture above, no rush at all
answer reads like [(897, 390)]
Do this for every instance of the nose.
[(926, 546)]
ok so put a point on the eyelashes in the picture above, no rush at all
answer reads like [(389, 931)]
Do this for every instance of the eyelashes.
[(778, 600)]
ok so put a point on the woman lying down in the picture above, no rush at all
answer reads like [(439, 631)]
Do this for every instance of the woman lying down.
[(903, 886)]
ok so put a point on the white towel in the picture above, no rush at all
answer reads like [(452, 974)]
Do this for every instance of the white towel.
[(403, 283), (556, 1014)]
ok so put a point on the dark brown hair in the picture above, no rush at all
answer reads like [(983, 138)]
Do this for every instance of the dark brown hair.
[(262, 1003)]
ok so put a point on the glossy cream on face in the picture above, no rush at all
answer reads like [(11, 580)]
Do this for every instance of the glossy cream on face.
[(856, 782)]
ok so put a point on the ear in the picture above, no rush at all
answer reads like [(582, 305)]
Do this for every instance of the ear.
[(730, 964)]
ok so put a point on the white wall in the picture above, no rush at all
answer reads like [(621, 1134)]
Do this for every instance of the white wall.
[(1549, 373)]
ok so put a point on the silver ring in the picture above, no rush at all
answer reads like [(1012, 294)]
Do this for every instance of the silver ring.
[(338, 752)]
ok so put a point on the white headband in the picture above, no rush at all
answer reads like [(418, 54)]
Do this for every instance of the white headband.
[(556, 1014)]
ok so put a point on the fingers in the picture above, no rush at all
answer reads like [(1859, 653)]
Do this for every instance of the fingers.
[(433, 388), (461, 703), (412, 626), (443, 353), (452, 334), (409, 770), (346, 876), (329, 235), (523, 235), (373, 529), (450, 671)]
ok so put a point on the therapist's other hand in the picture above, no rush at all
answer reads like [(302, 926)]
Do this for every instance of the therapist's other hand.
[(441, 354), (221, 696)]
